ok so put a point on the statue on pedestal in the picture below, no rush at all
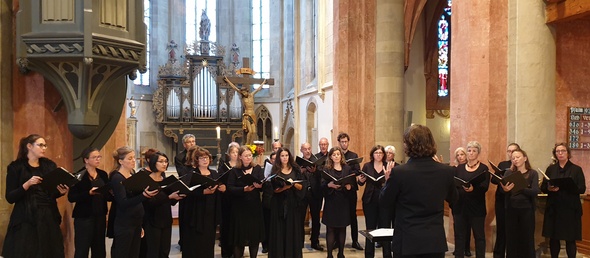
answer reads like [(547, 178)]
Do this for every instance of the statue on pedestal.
[(249, 116), (133, 108)]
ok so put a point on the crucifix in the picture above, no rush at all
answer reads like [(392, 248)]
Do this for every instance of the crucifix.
[(249, 116)]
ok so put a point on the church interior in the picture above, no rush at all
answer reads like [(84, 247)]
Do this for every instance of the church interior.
[(143, 73)]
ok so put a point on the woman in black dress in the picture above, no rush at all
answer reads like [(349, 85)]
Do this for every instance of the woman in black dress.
[(286, 226), (91, 206), (336, 215), (129, 209), (157, 221), (33, 230), (231, 161), (520, 209), (563, 213), (247, 225), (375, 168), (203, 208), (470, 209)]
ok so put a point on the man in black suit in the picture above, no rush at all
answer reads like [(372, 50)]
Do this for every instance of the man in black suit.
[(500, 245), (416, 191), (314, 196), (188, 141), (343, 141)]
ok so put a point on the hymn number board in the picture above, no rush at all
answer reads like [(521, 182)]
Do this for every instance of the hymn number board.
[(579, 128)]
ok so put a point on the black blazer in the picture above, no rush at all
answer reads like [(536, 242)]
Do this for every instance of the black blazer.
[(24, 202), (416, 192), (79, 194)]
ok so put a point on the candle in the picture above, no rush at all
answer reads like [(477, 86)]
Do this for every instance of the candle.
[(218, 129), (276, 133)]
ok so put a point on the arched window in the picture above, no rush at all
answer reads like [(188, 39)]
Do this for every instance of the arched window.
[(444, 48), (261, 39), (143, 79)]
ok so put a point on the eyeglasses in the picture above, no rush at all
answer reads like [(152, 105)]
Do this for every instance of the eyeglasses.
[(41, 145), (204, 158), (560, 151), (95, 157)]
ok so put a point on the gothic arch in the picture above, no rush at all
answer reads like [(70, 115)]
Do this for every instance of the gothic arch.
[(288, 125), (264, 126), (311, 121)]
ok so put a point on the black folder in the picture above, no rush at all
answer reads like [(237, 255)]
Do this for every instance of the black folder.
[(198, 179), (376, 180), (179, 186), (347, 180), (565, 183), (59, 176), (104, 189), (249, 179), (138, 182), (516, 178), (473, 181), (302, 162), (286, 181), (352, 162)]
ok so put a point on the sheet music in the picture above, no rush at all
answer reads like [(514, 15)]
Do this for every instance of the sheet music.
[(267, 169), (382, 232)]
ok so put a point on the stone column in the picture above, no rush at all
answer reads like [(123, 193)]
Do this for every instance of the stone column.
[(389, 81), (354, 73), (531, 96), (478, 86), (132, 135)]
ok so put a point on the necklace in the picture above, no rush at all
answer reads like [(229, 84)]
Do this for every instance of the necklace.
[(472, 166)]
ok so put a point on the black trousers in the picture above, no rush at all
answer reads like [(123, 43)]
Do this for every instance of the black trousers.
[(90, 236), (315, 206), (477, 224), (126, 241), (354, 225), (157, 241), (372, 221), (266, 215), (520, 231), (500, 245)]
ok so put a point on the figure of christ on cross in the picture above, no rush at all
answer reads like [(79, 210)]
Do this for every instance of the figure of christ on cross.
[(249, 116)]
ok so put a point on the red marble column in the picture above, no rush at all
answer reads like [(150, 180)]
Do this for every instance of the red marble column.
[(354, 73), (478, 68)]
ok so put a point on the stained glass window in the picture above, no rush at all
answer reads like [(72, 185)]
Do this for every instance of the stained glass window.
[(444, 47)]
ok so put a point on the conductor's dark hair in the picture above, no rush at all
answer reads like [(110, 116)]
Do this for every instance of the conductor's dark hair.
[(22, 146), (419, 142)]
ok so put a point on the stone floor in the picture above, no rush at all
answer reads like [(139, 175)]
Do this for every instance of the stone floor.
[(308, 252)]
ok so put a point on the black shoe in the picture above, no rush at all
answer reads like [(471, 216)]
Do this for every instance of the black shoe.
[(377, 245), (357, 246), (264, 250), (317, 247), (468, 253)]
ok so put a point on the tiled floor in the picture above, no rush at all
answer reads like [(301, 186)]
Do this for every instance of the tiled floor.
[(310, 253)]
